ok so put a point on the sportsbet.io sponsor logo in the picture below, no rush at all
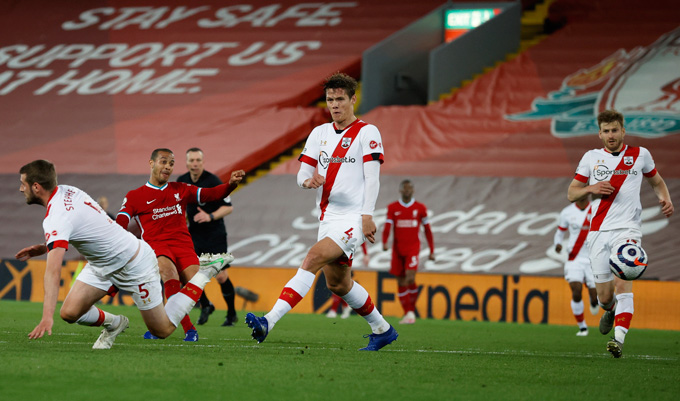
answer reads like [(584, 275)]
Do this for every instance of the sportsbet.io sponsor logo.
[(325, 160), (602, 173)]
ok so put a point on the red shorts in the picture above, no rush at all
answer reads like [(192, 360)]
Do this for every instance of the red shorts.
[(401, 263), (181, 256)]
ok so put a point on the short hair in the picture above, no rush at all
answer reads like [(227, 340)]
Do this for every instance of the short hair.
[(401, 184), (42, 172), (193, 150), (609, 116), (341, 80), (155, 152)]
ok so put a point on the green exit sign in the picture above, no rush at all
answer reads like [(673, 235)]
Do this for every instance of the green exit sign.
[(468, 19)]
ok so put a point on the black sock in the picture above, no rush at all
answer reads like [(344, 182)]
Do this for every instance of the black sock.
[(228, 294), (204, 301)]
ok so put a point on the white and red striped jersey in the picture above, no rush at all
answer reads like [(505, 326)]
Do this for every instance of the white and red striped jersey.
[(340, 158), (576, 221), (624, 170), (74, 218)]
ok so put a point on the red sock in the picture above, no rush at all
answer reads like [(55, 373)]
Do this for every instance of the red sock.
[(404, 298), (623, 320), (336, 302), (413, 295)]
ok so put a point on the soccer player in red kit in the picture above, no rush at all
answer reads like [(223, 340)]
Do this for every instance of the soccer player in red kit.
[(158, 208), (406, 215)]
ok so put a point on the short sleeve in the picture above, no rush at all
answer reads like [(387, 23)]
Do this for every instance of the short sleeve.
[(371, 144), (310, 153), (583, 169), (57, 232), (647, 161)]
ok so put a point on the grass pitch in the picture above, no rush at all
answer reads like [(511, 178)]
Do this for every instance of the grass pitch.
[(311, 357)]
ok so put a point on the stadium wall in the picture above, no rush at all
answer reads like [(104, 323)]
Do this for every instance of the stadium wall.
[(477, 297)]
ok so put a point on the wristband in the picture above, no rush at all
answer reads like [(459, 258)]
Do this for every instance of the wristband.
[(212, 218)]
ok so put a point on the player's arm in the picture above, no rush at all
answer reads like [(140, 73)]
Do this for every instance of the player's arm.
[(205, 195), (371, 189), (661, 191), (31, 252), (562, 227), (430, 239), (308, 177), (579, 189), (55, 257)]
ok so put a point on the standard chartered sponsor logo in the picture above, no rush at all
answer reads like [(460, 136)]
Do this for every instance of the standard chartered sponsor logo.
[(159, 213)]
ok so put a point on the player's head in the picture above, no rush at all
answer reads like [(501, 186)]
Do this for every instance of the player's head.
[(195, 161), (340, 90), (103, 201), (406, 190), (611, 130), (37, 177), (162, 164)]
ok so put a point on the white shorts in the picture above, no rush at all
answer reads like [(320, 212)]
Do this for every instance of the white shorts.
[(139, 277), (600, 245), (579, 271), (348, 234)]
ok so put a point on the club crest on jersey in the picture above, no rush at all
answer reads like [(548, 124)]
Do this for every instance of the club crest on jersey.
[(177, 198), (346, 142), (628, 160)]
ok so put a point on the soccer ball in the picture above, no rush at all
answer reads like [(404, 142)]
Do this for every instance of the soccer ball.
[(628, 260)]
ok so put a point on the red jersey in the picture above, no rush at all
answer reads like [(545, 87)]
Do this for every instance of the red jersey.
[(406, 219), (159, 211)]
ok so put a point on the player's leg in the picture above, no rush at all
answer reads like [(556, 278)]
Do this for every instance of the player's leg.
[(624, 309), (229, 295), (412, 289), (599, 250), (577, 307), (207, 308), (398, 270), (187, 267), (339, 280), (79, 307), (297, 287)]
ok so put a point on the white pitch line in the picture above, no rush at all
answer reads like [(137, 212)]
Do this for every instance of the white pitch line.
[(159, 343)]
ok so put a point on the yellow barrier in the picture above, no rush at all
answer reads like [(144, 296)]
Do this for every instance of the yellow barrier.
[(520, 299)]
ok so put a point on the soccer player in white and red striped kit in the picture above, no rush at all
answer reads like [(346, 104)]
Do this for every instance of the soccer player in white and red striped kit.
[(613, 176), (115, 260), (575, 220), (341, 160), (406, 216)]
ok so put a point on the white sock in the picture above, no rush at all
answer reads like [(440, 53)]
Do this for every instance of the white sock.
[(356, 298), (300, 284), (624, 306), (93, 315), (180, 304), (577, 309)]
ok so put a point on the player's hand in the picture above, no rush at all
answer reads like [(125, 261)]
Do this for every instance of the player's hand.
[(385, 247), (602, 188), (315, 182), (558, 248), (366, 260), (30, 252), (431, 257), (666, 207), (236, 177), (368, 227), (202, 216), (45, 325)]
